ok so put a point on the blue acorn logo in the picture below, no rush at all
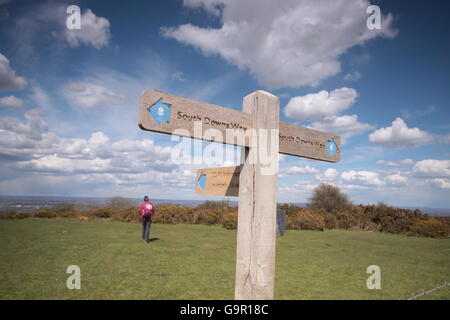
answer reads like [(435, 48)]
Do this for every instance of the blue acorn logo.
[(160, 111), (332, 148), (202, 181)]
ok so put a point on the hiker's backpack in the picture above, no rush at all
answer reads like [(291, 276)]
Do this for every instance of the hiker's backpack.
[(147, 210)]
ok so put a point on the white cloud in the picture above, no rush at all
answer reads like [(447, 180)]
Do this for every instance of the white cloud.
[(407, 114), (94, 31), (212, 6), (346, 126), (8, 78), (40, 97), (301, 170), (328, 175), (284, 44), (353, 76), (443, 139), (11, 102), (45, 22), (31, 147), (439, 183), (315, 106), (432, 168), (98, 138), (178, 76), (399, 135), (368, 178), (401, 163), (396, 180), (300, 186), (89, 95)]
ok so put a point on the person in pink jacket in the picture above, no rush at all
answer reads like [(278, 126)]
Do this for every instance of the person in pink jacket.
[(146, 212)]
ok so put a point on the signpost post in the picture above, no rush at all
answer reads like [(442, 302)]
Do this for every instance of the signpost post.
[(262, 136)]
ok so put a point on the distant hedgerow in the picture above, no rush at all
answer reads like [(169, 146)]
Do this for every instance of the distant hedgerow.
[(328, 209)]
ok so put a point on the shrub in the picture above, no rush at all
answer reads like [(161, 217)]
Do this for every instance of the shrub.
[(99, 213), (7, 214), (45, 213), (125, 215), (209, 213), (229, 221), (328, 198), (305, 220), (431, 227), (21, 215), (118, 203), (208, 217), (393, 220), (331, 221), (69, 214)]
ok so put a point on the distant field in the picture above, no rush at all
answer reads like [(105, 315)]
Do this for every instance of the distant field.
[(197, 262)]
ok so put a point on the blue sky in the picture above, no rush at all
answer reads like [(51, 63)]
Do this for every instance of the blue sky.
[(69, 99)]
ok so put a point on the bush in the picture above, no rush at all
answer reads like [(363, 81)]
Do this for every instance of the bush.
[(125, 215), (7, 215), (229, 221), (331, 221), (45, 213), (119, 203), (98, 213), (328, 198), (208, 213), (430, 227), (69, 214), (22, 216), (14, 215), (304, 219)]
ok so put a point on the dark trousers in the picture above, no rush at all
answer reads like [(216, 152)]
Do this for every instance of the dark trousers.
[(146, 224)]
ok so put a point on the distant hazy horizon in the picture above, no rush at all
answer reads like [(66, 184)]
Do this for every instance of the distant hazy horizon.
[(30, 202)]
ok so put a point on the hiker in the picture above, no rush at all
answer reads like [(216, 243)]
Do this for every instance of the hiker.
[(147, 211)]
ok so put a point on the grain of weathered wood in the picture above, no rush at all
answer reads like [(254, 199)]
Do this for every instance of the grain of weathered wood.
[(256, 234), (308, 143), (192, 118), (185, 113), (222, 181)]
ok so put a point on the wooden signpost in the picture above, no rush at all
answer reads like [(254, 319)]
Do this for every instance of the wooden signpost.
[(171, 114), (254, 181)]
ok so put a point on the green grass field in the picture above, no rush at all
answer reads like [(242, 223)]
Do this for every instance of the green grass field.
[(197, 262)]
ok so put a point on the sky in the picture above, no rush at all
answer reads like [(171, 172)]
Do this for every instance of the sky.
[(69, 98)]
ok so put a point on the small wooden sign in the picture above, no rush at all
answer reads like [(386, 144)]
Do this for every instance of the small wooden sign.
[(171, 114), (222, 181)]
